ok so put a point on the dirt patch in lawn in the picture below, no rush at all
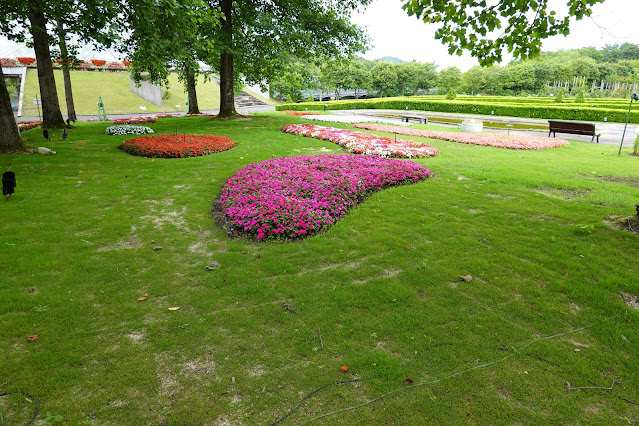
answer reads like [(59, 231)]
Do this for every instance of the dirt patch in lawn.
[(617, 179), (562, 193), (626, 223)]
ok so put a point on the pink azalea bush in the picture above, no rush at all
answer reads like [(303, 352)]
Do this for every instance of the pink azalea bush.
[(135, 120), (499, 140), (364, 143), (293, 197)]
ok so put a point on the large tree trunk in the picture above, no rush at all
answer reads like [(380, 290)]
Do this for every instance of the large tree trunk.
[(64, 56), (190, 89), (227, 99), (9, 133), (51, 115)]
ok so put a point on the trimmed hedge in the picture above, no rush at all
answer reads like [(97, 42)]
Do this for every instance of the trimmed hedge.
[(578, 112)]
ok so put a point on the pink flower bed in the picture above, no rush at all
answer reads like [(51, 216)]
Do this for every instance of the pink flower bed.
[(364, 143), (293, 197), (499, 140), (135, 120)]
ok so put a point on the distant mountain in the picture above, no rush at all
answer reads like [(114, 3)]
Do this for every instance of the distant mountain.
[(391, 59)]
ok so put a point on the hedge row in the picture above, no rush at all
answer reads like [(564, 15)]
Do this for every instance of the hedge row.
[(557, 112), (603, 103)]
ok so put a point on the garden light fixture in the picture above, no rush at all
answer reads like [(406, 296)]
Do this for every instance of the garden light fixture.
[(633, 97), (8, 183)]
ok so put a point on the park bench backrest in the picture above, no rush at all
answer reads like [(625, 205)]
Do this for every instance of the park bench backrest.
[(569, 125)]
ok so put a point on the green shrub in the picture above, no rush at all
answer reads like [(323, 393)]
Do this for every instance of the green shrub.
[(635, 147), (465, 105), (580, 99), (559, 97), (310, 98), (451, 94)]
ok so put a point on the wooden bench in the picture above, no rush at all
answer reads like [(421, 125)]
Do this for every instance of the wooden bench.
[(422, 120), (573, 128)]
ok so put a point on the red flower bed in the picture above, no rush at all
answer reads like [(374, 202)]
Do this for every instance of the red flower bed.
[(28, 125), (98, 62), (135, 120), (299, 113), (26, 61), (176, 146)]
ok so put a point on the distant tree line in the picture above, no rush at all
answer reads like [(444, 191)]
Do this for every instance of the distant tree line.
[(380, 78)]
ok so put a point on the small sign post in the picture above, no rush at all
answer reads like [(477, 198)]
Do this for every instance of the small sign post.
[(37, 102)]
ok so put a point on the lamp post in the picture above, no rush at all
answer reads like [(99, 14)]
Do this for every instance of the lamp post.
[(633, 97)]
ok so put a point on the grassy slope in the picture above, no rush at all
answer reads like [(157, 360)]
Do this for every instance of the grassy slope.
[(113, 87), (381, 286)]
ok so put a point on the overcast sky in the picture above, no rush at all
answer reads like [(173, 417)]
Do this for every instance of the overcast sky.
[(394, 33)]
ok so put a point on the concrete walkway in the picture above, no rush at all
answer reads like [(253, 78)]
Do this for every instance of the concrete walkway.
[(610, 132), (244, 110)]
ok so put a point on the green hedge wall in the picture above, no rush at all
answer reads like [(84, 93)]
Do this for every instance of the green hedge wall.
[(578, 112)]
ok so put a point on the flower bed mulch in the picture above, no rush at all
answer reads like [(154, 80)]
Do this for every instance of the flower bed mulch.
[(28, 125), (299, 113), (499, 140), (135, 120), (176, 146), (292, 197), (364, 143)]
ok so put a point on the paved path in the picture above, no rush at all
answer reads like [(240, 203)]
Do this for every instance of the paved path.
[(610, 132), (146, 114)]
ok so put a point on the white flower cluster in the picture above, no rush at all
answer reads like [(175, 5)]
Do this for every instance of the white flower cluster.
[(127, 129), (352, 119)]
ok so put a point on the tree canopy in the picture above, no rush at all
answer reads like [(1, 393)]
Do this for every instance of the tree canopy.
[(485, 28)]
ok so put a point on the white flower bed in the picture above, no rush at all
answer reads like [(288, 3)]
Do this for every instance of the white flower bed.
[(127, 129), (352, 119)]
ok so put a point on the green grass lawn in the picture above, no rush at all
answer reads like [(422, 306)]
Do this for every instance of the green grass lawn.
[(113, 87), (380, 291)]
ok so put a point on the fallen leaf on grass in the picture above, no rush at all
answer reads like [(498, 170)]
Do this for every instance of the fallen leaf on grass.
[(625, 339), (33, 337), (567, 385), (141, 298), (467, 278), (280, 386), (344, 368), (31, 290), (174, 308)]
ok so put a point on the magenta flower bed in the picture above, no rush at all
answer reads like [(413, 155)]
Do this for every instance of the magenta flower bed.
[(499, 140), (295, 196), (364, 143)]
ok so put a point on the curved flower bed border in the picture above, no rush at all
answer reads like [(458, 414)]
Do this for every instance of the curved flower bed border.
[(364, 143), (292, 197), (498, 140), (135, 120), (176, 146)]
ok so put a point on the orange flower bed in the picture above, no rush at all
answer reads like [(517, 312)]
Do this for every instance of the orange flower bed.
[(299, 113), (176, 146)]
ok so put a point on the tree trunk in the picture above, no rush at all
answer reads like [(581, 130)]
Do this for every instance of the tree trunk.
[(9, 133), (227, 98), (403, 91), (64, 56), (51, 115), (190, 89)]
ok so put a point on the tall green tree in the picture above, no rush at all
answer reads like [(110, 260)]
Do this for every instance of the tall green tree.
[(384, 77), (407, 76), (9, 133), (338, 74), (450, 79), (474, 80), (170, 34), (257, 36), (94, 21), (486, 29)]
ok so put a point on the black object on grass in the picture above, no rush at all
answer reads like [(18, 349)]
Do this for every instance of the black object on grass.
[(64, 134), (45, 133), (8, 183)]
